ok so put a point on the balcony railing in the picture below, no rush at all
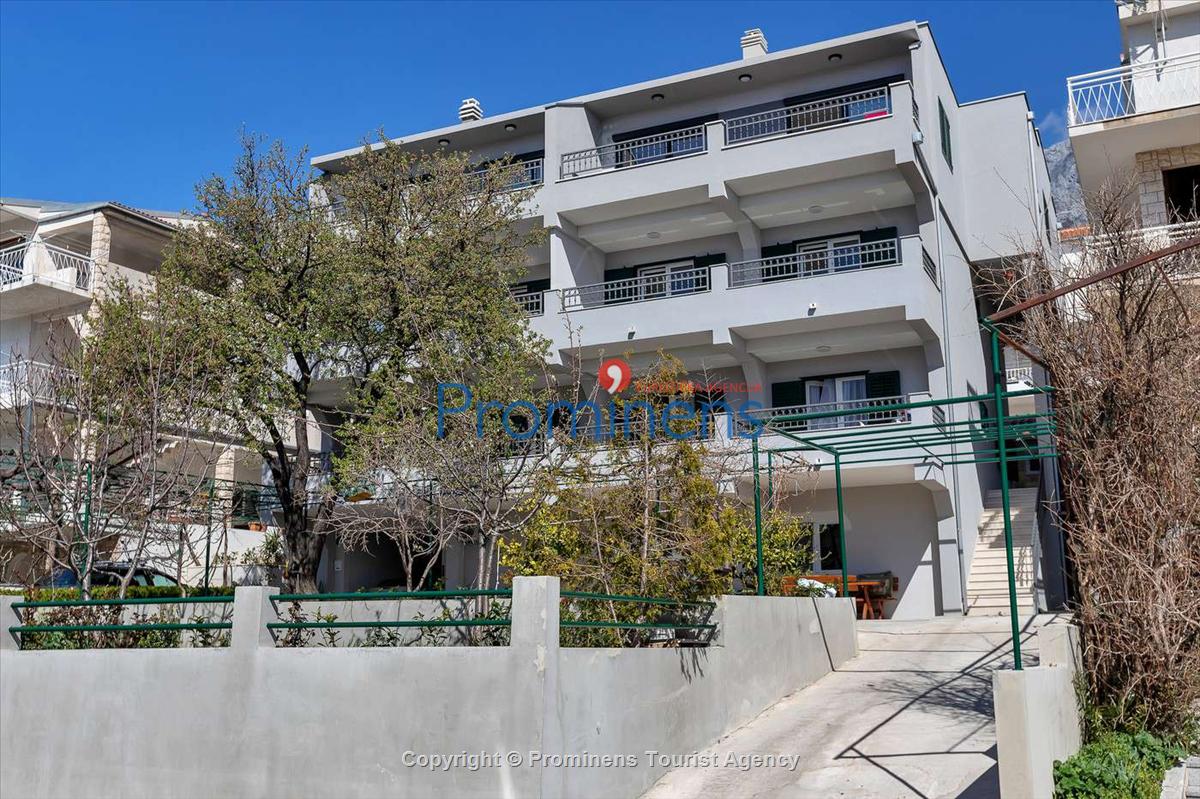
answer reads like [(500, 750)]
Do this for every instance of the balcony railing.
[(524, 174), (638, 289), (1019, 374), (46, 262), (809, 116), (1135, 89), (24, 381), (869, 415), (531, 302), (848, 258), (1150, 237), (635, 152)]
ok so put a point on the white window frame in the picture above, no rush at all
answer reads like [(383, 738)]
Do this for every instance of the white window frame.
[(665, 271)]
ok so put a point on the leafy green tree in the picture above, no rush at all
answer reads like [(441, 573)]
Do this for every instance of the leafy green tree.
[(320, 296)]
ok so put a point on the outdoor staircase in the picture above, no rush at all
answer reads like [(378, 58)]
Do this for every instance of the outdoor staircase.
[(987, 586)]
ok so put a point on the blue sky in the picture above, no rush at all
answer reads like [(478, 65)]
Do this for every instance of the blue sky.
[(138, 101)]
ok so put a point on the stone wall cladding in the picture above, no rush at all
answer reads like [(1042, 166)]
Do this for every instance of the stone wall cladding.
[(1150, 166)]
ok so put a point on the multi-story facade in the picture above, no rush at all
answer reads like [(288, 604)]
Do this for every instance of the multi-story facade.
[(803, 227), (1142, 119), (55, 259)]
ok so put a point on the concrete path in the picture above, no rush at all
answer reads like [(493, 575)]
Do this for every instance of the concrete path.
[(911, 716)]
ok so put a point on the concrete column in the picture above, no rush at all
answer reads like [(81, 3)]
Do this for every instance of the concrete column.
[(1037, 716), (535, 643), (252, 611), (9, 617)]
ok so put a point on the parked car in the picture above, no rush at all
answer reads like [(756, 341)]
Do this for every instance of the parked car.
[(108, 573)]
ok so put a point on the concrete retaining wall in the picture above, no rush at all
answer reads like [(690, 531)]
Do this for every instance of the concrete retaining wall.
[(1037, 715), (255, 720)]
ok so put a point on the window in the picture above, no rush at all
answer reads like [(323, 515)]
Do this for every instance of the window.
[(664, 280), (944, 128), (1181, 187), (835, 394), (840, 254), (827, 548)]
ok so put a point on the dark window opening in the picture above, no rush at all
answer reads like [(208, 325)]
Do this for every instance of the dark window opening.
[(1181, 188)]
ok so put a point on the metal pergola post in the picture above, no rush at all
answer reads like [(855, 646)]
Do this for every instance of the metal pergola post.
[(865, 444), (998, 380)]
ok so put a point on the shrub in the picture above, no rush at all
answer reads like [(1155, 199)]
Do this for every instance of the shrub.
[(1117, 765)]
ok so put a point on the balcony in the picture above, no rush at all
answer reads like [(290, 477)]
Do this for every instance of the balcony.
[(808, 117), (846, 297), (868, 417), (525, 174), (635, 152), (815, 263), (1161, 85), (533, 303), (657, 286), (37, 277)]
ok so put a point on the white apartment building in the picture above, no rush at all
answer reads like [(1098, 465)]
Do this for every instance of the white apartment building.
[(807, 223), (1143, 117), (55, 259)]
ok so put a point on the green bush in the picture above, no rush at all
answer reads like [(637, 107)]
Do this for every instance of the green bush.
[(111, 591), (1116, 765)]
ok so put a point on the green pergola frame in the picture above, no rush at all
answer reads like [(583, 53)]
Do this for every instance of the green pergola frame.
[(990, 439)]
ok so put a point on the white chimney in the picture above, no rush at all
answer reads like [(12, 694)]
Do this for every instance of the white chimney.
[(470, 110), (754, 44)]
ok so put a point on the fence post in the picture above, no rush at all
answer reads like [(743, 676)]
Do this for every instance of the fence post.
[(9, 617), (535, 642), (252, 611)]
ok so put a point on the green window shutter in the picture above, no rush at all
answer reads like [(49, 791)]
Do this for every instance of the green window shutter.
[(787, 394), (944, 130), (883, 384)]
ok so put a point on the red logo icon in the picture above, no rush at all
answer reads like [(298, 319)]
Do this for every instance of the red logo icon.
[(615, 375)]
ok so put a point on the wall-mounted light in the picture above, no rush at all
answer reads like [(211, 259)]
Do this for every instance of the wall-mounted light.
[(816, 209), (510, 127), (657, 98), (822, 347), (746, 77), (443, 142), (835, 57), (654, 234)]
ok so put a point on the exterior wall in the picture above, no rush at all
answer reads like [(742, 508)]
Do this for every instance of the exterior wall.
[(888, 528), (1149, 167), (292, 722)]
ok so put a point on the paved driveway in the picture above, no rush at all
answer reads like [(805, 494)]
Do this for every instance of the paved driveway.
[(911, 716)]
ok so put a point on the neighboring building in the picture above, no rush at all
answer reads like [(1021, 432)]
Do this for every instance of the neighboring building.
[(805, 225), (1143, 117), (55, 258)]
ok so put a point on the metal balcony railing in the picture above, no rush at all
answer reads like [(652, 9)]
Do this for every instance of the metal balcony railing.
[(532, 302), (1150, 237), (869, 414), (524, 174), (24, 381), (1019, 374), (814, 263), (46, 262), (809, 116), (635, 152), (638, 289), (1135, 89)]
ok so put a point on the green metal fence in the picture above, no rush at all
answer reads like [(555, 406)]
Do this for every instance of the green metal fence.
[(27, 632)]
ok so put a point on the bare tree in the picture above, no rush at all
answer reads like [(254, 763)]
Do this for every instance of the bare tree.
[(111, 450), (1123, 352)]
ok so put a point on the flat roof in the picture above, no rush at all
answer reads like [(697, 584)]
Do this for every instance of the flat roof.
[(692, 84)]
